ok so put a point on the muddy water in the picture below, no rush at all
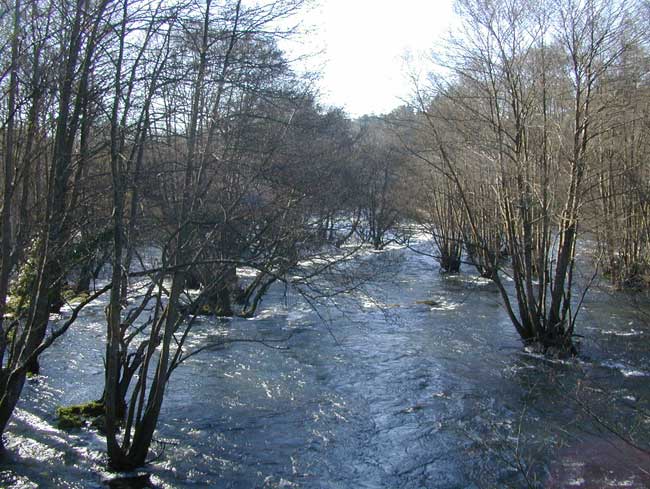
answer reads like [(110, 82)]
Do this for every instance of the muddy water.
[(378, 390)]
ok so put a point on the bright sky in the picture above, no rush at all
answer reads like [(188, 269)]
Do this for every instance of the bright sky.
[(365, 42)]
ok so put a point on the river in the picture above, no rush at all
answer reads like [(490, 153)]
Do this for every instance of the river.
[(372, 390)]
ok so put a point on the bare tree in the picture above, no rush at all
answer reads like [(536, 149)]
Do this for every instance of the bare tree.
[(81, 33), (512, 73)]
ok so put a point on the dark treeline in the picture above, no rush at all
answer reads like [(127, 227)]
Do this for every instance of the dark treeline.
[(179, 129)]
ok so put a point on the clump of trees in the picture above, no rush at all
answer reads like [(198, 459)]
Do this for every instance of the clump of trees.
[(619, 213), (132, 128), (48, 75), (514, 132), (382, 199)]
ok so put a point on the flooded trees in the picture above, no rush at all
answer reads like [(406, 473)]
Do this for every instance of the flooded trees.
[(381, 196), (71, 37), (232, 180), (443, 218), (216, 155), (620, 215), (519, 108), (129, 111)]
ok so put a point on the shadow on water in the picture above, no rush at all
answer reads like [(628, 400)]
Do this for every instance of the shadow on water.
[(417, 381)]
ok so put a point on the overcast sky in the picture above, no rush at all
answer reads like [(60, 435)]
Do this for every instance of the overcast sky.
[(364, 42)]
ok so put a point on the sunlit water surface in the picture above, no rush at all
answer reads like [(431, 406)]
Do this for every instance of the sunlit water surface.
[(376, 391)]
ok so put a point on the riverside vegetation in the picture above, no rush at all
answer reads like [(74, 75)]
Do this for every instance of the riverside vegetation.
[(152, 153)]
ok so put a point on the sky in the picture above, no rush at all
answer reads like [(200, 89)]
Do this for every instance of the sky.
[(364, 43)]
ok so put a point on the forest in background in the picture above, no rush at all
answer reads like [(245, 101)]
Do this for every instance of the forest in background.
[(182, 127)]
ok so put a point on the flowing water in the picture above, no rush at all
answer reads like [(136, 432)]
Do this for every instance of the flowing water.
[(376, 390)]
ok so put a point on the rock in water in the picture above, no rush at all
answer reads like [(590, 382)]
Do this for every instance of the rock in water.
[(133, 482)]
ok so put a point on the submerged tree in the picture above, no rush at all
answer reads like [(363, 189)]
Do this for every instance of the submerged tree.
[(443, 218), (216, 155), (71, 38), (519, 109), (233, 181), (381, 196), (619, 215)]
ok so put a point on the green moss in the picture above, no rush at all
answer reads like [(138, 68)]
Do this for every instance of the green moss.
[(70, 417), (10, 335), (69, 295), (70, 422), (17, 305), (89, 410), (21, 288)]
